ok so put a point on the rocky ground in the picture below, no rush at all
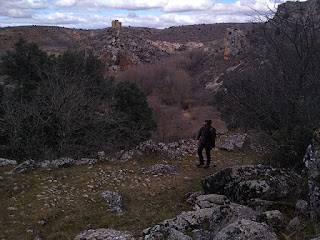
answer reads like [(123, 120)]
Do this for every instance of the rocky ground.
[(127, 198)]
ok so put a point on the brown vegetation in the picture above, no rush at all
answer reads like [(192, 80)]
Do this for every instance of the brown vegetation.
[(179, 102)]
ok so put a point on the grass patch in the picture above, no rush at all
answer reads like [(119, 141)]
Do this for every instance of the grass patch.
[(61, 203)]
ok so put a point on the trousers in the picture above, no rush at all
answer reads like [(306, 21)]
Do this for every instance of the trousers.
[(207, 147)]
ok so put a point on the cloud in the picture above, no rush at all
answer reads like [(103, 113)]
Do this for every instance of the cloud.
[(91, 14), (187, 5), (132, 15), (20, 8), (160, 5), (64, 3)]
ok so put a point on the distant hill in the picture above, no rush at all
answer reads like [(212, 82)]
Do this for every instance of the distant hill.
[(133, 45)]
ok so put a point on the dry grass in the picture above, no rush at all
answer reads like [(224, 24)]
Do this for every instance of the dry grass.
[(60, 203)]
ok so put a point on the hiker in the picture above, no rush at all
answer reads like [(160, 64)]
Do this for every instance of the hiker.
[(206, 140)]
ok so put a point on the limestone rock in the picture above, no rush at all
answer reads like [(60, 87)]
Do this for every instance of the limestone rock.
[(114, 201), (104, 234), (226, 215), (260, 205), (25, 166), (243, 183), (235, 43), (101, 155), (58, 163), (172, 150), (302, 209), (218, 216), (175, 234), (246, 229), (210, 200), (294, 224), (200, 234), (312, 163), (186, 221), (192, 197), (5, 162), (274, 219), (162, 168), (84, 161), (237, 142), (297, 10)]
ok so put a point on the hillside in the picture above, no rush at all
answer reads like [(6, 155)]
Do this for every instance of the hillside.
[(123, 49), (263, 182), (59, 203)]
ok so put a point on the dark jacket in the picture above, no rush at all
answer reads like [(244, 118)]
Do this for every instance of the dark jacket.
[(207, 136)]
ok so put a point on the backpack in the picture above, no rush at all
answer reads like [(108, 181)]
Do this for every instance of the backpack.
[(214, 133)]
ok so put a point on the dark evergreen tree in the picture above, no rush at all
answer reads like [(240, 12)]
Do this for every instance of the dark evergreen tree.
[(61, 106), (23, 67), (134, 114)]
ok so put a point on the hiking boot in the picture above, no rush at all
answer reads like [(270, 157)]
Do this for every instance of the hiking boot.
[(200, 164)]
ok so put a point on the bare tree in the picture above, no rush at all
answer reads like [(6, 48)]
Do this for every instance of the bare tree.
[(279, 90)]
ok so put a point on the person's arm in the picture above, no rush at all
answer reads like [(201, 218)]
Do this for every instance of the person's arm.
[(199, 135)]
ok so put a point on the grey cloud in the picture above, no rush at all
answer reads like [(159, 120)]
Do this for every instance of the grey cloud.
[(17, 14), (132, 15)]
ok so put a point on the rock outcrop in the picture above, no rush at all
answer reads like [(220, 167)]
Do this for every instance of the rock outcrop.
[(297, 10), (25, 166), (235, 43), (216, 217), (105, 234), (114, 200), (119, 49), (172, 150), (274, 219), (302, 209), (57, 163), (244, 183), (162, 168), (5, 162), (246, 229), (226, 220), (312, 162), (237, 142)]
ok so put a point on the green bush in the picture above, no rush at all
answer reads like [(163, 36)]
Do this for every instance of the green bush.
[(65, 107)]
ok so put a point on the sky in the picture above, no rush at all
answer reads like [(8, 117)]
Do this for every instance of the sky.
[(97, 14)]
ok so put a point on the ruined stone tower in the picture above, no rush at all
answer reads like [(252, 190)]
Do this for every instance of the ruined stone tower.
[(116, 24)]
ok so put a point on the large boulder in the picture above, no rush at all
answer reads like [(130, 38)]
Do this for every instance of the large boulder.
[(105, 234), (273, 218), (246, 229), (114, 200), (235, 43), (237, 142), (228, 214), (210, 200), (215, 213), (243, 183), (175, 234), (186, 221)]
